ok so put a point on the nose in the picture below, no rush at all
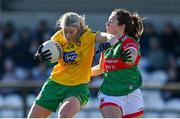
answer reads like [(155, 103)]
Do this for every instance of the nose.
[(107, 23)]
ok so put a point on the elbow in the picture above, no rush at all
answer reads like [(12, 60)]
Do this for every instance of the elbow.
[(97, 72)]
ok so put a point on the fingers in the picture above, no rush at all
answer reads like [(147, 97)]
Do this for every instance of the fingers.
[(126, 56), (46, 58), (46, 53), (127, 53), (42, 56), (40, 48)]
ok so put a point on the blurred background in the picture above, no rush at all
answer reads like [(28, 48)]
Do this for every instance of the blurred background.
[(25, 24)]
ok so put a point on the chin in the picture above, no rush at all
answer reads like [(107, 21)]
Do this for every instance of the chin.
[(69, 41), (108, 31)]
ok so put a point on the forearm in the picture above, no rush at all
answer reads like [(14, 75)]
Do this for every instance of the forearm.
[(96, 70), (103, 37)]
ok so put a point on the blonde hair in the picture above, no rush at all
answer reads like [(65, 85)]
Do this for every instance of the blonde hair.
[(71, 19)]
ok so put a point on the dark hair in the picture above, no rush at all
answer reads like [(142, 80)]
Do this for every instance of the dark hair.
[(134, 25)]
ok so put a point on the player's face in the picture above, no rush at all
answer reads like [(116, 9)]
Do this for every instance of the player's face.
[(70, 33), (112, 24), (113, 27)]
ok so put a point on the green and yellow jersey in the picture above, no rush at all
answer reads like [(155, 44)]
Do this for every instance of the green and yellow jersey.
[(75, 66)]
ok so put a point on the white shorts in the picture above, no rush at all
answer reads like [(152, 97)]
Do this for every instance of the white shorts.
[(131, 105)]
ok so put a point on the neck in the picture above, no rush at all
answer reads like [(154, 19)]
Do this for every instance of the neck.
[(123, 37), (119, 34), (80, 32)]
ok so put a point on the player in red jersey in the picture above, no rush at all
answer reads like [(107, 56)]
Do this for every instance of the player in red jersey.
[(120, 94)]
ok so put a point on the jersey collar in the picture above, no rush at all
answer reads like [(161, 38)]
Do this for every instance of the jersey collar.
[(123, 38)]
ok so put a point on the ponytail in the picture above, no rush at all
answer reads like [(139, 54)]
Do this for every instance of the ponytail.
[(137, 26), (134, 25)]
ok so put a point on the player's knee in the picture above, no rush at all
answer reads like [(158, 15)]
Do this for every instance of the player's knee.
[(68, 113), (64, 115)]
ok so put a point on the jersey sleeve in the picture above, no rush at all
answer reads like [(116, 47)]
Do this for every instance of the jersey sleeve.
[(135, 54), (59, 37), (92, 36), (129, 43), (55, 37)]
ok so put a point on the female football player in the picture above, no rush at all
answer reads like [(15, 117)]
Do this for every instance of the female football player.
[(119, 94), (67, 84)]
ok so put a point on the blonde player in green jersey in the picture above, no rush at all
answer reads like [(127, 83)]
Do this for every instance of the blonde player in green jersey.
[(67, 84)]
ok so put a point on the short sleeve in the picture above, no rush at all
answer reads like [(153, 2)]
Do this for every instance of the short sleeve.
[(55, 37), (91, 36), (129, 43)]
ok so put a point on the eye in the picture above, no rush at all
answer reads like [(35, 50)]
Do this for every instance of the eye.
[(65, 31), (111, 21)]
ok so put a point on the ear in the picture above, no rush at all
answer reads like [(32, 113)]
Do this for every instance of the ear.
[(122, 28)]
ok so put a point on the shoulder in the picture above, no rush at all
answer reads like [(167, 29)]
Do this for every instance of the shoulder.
[(59, 37), (88, 31), (57, 34), (89, 35), (130, 42)]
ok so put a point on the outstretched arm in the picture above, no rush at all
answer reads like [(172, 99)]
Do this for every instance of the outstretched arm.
[(98, 69), (103, 37)]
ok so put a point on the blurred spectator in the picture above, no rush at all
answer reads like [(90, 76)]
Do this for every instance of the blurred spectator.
[(9, 31), (173, 71), (149, 32), (23, 54), (9, 75), (9, 41), (40, 73), (156, 56), (1, 33), (170, 38), (42, 32), (9, 47), (32, 49), (1, 62)]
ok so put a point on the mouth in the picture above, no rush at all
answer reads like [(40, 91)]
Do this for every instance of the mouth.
[(107, 30)]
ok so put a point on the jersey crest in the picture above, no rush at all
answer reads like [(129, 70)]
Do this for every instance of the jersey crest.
[(69, 55)]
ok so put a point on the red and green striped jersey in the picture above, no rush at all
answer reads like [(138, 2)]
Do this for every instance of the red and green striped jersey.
[(120, 79)]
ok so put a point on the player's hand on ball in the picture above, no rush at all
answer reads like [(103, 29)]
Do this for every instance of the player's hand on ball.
[(42, 56)]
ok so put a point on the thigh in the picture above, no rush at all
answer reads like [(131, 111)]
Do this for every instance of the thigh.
[(134, 106), (111, 106), (69, 107), (51, 95), (81, 92), (37, 111), (111, 111), (74, 98)]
